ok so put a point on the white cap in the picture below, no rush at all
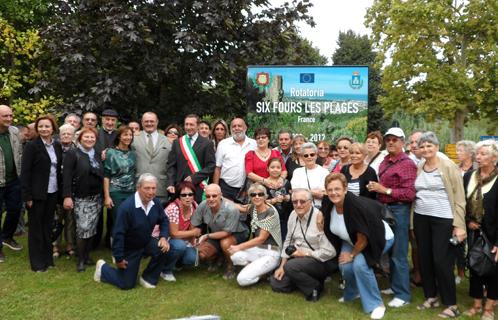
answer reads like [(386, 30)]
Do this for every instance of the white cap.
[(397, 132)]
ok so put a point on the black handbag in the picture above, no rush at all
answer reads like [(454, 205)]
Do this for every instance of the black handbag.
[(388, 216), (480, 259)]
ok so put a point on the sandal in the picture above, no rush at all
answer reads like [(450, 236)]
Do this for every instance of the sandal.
[(473, 311), (488, 314), (56, 253), (429, 304), (450, 312)]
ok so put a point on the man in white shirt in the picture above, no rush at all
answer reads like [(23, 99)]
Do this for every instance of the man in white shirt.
[(415, 152), (230, 172)]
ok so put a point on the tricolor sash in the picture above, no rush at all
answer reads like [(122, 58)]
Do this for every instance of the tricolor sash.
[(191, 157)]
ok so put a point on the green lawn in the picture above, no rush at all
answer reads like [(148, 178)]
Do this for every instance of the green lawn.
[(62, 293)]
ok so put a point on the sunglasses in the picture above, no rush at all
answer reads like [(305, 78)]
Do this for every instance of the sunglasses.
[(323, 149), (184, 195), (309, 155), (173, 132), (259, 194), (299, 201)]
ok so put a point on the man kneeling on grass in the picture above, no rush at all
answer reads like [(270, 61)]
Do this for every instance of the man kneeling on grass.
[(132, 239)]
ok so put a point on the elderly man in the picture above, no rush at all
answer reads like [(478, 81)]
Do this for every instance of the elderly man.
[(191, 158), (285, 143), (132, 239), (10, 186), (74, 120), (152, 151), (107, 133), (415, 152), (230, 173), (396, 188), (307, 253), (225, 229)]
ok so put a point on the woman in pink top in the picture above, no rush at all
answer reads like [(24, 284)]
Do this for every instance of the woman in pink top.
[(256, 162)]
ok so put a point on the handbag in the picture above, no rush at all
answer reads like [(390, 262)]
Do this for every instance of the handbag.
[(388, 216), (480, 259)]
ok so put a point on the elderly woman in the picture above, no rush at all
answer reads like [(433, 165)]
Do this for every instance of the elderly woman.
[(295, 160), (256, 161), (323, 154), (374, 155), (342, 145), (307, 255), (41, 184), (261, 254), (481, 187), (82, 184), (172, 132), (220, 131), (354, 224), (65, 217), (358, 173), (120, 167), (182, 233), (438, 216), (466, 153), (311, 176)]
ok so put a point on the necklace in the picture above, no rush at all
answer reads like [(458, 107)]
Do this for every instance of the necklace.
[(264, 156)]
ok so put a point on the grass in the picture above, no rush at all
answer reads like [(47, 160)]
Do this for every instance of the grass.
[(62, 293)]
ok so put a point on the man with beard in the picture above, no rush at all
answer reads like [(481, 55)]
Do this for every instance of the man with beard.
[(230, 172)]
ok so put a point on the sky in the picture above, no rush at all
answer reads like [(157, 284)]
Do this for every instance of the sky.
[(331, 17)]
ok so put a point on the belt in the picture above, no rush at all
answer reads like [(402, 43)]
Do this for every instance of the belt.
[(269, 247), (397, 203)]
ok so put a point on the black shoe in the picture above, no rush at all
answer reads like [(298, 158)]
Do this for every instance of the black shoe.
[(12, 244), (314, 296), (80, 267)]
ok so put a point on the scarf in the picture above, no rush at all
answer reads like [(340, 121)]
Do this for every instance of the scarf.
[(270, 224), (475, 204), (91, 155)]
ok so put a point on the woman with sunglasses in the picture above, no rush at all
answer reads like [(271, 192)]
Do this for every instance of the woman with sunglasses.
[(261, 254), (182, 233), (173, 131), (324, 158), (342, 144), (311, 176)]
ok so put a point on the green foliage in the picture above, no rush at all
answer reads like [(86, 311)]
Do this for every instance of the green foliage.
[(26, 14), (355, 49), (441, 56)]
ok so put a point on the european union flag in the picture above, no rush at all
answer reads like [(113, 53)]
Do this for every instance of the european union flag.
[(307, 78)]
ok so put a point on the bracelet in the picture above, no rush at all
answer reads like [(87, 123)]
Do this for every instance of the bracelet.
[(208, 235)]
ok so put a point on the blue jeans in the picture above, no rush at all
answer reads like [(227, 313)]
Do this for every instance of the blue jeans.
[(400, 270), (11, 196), (360, 279), (179, 252)]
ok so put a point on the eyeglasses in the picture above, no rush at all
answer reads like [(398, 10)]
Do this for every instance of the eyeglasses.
[(173, 132), (213, 196), (299, 201), (259, 194), (261, 137), (392, 139), (309, 155), (184, 195)]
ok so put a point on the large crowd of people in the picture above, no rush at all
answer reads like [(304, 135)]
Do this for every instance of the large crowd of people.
[(288, 210)]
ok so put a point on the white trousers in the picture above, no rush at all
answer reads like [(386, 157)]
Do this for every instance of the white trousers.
[(257, 261)]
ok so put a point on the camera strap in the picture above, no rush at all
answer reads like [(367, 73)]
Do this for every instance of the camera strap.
[(307, 226)]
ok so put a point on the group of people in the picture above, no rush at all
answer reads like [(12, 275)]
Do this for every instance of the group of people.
[(295, 213)]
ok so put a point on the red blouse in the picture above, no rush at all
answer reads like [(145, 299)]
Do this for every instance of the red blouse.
[(256, 165)]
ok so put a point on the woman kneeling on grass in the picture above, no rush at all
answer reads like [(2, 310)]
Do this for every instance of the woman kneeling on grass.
[(261, 254)]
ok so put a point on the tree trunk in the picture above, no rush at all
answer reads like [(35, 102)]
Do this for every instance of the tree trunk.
[(458, 124)]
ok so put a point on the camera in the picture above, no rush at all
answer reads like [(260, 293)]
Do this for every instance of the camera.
[(290, 250), (454, 241)]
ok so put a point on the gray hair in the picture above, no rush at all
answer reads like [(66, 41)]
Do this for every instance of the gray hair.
[(67, 127), (308, 192), (74, 115), (469, 147), (429, 137), (309, 145), (491, 144), (257, 187), (146, 177)]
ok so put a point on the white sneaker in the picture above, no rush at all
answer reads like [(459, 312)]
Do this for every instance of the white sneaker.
[(387, 291), (378, 313), (341, 299), (397, 302), (98, 270), (168, 277), (145, 284)]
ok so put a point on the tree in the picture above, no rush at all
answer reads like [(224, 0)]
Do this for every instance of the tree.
[(441, 58), (355, 49), (172, 57)]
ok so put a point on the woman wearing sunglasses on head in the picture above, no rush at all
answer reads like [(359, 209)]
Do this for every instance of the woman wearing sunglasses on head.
[(261, 254), (172, 132), (181, 231)]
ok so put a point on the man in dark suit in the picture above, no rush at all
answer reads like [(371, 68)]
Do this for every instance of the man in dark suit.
[(191, 158)]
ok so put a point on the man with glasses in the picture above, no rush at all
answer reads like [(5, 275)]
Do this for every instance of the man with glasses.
[(152, 151), (230, 173), (307, 253), (223, 225), (396, 188)]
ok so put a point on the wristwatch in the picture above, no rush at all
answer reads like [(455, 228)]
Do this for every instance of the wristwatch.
[(389, 191), (351, 256)]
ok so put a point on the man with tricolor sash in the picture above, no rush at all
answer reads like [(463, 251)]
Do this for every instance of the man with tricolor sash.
[(191, 159)]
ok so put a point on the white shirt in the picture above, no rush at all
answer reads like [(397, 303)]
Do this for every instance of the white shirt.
[(193, 138), (154, 135), (230, 157), (315, 177), (139, 204), (338, 226)]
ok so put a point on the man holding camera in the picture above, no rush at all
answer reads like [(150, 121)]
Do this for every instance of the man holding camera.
[(307, 255)]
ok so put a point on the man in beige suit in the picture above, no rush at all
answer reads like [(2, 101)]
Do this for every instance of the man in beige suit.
[(152, 150)]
